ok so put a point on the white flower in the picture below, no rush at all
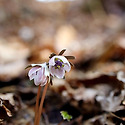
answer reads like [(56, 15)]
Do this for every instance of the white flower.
[(58, 65), (39, 73)]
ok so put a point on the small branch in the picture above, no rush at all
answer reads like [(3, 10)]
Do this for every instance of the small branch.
[(41, 104), (37, 103)]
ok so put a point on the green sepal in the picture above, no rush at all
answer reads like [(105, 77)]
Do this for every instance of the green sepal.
[(51, 55), (28, 66), (69, 57), (62, 51)]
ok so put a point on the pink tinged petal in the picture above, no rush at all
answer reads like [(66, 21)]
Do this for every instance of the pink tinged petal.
[(52, 61), (44, 81), (67, 67), (38, 77), (36, 67), (39, 73), (32, 76), (52, 70), (36, 82), (59, 73), (33, 70), (43, 75)]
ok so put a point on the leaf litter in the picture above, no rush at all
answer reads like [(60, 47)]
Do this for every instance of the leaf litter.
[(93, 93)]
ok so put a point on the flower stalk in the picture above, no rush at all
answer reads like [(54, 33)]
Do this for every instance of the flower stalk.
[(41, 104), (37, 103)]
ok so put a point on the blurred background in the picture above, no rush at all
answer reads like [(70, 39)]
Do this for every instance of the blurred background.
[(91, 30)]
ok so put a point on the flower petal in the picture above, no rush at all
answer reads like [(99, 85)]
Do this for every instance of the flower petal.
[(39, 76), (40, 73), (33, 70), (46, 71), (44, 81), (52, 70), (36, 81), (52, 61), (32, 76), (67, 67), (59, 73)]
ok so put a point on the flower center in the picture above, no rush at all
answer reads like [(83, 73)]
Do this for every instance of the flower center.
[(58, 64)]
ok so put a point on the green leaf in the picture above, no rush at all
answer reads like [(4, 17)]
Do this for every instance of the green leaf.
[(66, 116)]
